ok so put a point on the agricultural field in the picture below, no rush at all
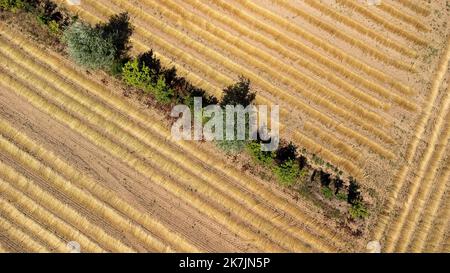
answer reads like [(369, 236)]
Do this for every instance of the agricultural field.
[(364, 88)]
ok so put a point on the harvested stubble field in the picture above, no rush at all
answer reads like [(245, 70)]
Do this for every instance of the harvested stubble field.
[(366, 88)]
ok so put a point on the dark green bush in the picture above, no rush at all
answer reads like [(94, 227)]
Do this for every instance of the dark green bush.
[(88, 47), (325, 180), (286, 152), (149, 59), (99, 47), (48, 14), (238, 94), (187, 92), (354, 196), (119, 30), (231, 146), (235, 145), (117, 67), (338, 184)]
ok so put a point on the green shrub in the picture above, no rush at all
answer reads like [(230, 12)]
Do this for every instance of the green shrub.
[(53, 27), (163, 93), (263, 157), (137, 75), (237, 94), (287, 172), (100, 46), (41, 19), (88, 47), (327, 192), (12, 5), (358, 210)]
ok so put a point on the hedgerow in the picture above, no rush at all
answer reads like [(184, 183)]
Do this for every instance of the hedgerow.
[(106, 46), (12, 5)]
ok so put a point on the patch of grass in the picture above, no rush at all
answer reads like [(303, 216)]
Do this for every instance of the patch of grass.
[(12, 5), (358, 211), (262, 157), (317, 160), (303, 173), (327, 192), (231, 146), (287, 172), (341, 196), (305, 191)]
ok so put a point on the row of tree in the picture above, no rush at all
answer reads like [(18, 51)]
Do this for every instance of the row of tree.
[(105, 46)]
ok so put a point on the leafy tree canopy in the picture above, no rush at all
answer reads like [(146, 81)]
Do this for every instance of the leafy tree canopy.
[(99, 47), (238, 93)]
